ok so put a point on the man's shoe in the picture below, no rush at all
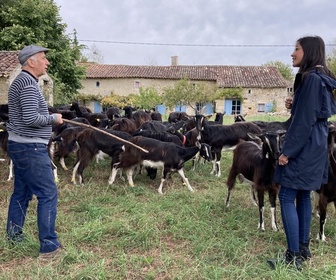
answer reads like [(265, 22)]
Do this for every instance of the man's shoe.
[(51, 255), (290, 258), (15, 238)]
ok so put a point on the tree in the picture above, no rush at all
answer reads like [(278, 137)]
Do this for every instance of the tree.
[(147, 98), (25, 22), (331, 61), (186, 92), (92, 54), (284, 69)]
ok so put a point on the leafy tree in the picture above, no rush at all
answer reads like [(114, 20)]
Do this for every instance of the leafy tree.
[(119, 101), (147, 98), (227, 93), (284, 69), (92, 54), (186, 92), (331, 61), (25, 22)]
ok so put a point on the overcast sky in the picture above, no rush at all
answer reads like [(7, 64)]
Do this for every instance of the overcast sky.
[(199, 32)]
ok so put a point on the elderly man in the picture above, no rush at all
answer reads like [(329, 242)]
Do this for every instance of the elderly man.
[(29, 131)]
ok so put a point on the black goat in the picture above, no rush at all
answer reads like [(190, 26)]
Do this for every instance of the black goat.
[(124, 124), (3, 143), (113, 113), (257, 164), (138, 116), (223, 136), (66, 143), (267, 126), (274, 126), (160, 154), (327, 192), (91, 142), (95, 119), (178, 116)]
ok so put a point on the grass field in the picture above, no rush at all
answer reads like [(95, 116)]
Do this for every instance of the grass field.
[(119, 232)]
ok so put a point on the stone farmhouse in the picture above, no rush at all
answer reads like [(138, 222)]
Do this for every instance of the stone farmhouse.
[(10, 67), (264, 89)]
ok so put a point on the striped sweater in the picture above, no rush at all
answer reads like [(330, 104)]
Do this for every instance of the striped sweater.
[(29, 119)]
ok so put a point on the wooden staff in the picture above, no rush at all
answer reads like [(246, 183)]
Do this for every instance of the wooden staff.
[(104, 132)]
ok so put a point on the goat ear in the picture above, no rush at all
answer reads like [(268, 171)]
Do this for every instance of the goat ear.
[(253, 136), (281, 132)]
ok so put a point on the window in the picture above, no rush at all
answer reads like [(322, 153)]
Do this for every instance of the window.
[(261, 107), (249, 91), (236, 107), (136, 84), (290, 90), (97, 84)]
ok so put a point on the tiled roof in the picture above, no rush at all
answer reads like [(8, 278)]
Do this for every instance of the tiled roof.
[(225, 76), (8, 62)]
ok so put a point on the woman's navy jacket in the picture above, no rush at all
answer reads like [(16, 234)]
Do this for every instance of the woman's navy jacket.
[(306, 140)]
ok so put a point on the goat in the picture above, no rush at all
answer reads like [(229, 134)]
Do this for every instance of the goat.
[(327, 193), (275, 125), (113, 113), (267, 126), (66, 143), (223, 136), (160, 154), (162, 136), (218, 119), (257, 165), (95, 119), (124, 124), (156, 116), (4, 112), (138, 116), (153, 125), (178, 116), (91, 142), (3, 142), (239, 118)]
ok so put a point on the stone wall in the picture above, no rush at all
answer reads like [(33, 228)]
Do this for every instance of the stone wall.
[(253, 97), (45, 83)]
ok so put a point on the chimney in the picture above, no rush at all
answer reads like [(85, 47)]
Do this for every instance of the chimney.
[(174, 60)]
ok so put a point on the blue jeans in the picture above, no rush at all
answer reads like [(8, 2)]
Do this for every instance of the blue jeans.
[(296, 216), (33, 176)]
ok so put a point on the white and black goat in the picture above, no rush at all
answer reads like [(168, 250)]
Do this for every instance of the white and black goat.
[(3, 143), (96, 119), (327, 192), (223, 137), (256, 163), (267, 126), (160, 154), (91, 143)]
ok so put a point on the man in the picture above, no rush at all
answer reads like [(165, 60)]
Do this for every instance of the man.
[(29, 131)]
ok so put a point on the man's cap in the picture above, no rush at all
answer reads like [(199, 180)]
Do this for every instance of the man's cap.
[(29, 51)]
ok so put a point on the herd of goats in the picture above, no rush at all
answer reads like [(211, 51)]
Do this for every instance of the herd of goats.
[(142, 139)]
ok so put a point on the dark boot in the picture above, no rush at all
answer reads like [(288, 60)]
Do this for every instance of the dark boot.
[(305, 252), (289, 258)]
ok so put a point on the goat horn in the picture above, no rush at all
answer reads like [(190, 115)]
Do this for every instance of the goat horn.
[(106, 133)]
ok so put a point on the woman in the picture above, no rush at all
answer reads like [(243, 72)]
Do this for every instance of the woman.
[(303, 166)]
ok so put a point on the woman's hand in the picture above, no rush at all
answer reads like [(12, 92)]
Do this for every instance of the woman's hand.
[(283, 160), (288, 102)]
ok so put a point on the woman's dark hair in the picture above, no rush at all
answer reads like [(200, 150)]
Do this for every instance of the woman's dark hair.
[(314, 55)]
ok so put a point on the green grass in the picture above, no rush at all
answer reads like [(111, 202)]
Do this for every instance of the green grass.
[(119, 232)]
